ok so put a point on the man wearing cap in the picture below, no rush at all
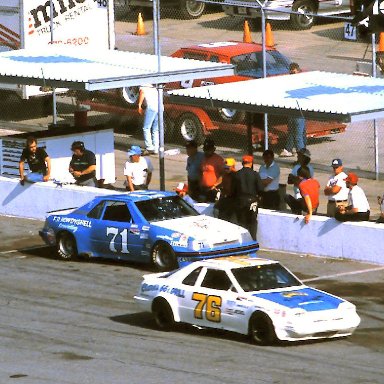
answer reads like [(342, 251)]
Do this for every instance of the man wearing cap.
[(270, 177), (83, 165), (336, 189), (303, 160), (212, 168), (309, 194), (247, 188), (226, 203), (193, 168), (358, 207), (137, 170)]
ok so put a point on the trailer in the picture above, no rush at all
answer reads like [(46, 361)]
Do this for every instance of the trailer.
[(33, 24)]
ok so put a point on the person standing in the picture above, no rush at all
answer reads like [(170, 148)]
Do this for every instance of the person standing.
[(270, 177), (38, 161), (336, 189), (226, 203), (83, 165), (148, 94), (247, 188), (193, 168), (297, 133), (358, 207), (212, 168), (137, 170), (309, 192)]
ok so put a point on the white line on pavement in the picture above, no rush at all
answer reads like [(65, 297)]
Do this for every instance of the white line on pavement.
[(344, 274)]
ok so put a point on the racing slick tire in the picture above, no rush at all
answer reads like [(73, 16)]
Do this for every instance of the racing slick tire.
[(66, 246), (303, 21), (191, 9), (130, 95), (163, 257), (261, 330), (163, 315), (190, 128)]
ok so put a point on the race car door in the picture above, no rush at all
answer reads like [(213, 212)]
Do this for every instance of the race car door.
[(210, 300), (114, 234)]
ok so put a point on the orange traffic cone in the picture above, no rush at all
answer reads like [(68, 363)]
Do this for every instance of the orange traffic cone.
[(247, 33), (269, 41), (140, 30), (381, 42)]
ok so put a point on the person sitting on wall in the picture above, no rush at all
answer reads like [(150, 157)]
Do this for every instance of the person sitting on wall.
[(137, 170), (38, 161), (358, 207), (83, 165)]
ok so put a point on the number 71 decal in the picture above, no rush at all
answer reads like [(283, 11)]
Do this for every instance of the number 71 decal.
[(208, 305)]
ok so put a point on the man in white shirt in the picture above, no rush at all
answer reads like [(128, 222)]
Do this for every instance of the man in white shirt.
[(336, 189), (269, 173), (148, 93), (137, 170), (358, 207)]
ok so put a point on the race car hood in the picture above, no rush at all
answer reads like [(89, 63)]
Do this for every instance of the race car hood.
[(206, 228), (308, 299)]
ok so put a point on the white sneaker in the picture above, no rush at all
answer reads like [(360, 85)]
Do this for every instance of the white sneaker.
[(285, 153)]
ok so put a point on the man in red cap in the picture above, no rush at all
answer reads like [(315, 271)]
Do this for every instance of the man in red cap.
[(247, 188), (358, 207)]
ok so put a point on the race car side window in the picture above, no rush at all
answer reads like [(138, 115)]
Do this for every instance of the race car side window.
[(195, 56), (117, 211), (95, 212), (192, 277), (216, 279)]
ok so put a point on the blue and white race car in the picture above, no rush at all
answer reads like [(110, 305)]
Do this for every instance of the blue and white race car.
[(250, 296), (144, 226)]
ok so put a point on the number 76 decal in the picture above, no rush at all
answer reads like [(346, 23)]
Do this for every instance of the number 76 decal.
[(208, 305)]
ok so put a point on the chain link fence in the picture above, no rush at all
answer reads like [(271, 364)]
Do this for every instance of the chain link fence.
[(323, 46)]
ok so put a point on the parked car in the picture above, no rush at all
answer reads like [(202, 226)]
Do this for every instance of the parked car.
[(144, 226), (303, 14), (250, 296)]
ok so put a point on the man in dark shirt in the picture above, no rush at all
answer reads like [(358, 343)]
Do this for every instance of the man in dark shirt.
[(247, 188), (38, 161), (83, 165)]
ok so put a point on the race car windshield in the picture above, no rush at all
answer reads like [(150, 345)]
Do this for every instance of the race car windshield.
[(165, 208), (261, 277), (251, 64)]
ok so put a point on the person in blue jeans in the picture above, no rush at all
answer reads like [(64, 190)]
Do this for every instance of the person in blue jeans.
[(148, 95), (38, 161), (297, 133)]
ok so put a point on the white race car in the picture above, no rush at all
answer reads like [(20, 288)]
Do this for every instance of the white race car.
[(250, 296)]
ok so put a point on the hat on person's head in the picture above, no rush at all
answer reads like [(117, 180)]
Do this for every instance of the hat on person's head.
[(191, 144), (77, 145), (336, 163), (229, 162), (181, 187), (208, 144), (247, 159), (135, 150), (352, 178), (305, 152)]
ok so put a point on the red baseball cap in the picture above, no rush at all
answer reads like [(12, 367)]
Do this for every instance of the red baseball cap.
[(352, 178), (248, 159)]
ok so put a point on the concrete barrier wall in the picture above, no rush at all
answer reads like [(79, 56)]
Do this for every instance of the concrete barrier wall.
[(323, 236), (35, 200)]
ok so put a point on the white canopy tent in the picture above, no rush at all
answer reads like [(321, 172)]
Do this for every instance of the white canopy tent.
[(90, 70), (313, 95)]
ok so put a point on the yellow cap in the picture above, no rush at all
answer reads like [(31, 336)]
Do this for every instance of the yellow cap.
[(230, 162)]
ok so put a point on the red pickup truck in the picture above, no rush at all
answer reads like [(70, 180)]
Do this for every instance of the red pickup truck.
[(188, 122)]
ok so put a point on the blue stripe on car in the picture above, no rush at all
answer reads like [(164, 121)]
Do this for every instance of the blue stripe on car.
[(308, 299)]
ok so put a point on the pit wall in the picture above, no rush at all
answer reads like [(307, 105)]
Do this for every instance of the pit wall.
[(323, 236), (35, 200)]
